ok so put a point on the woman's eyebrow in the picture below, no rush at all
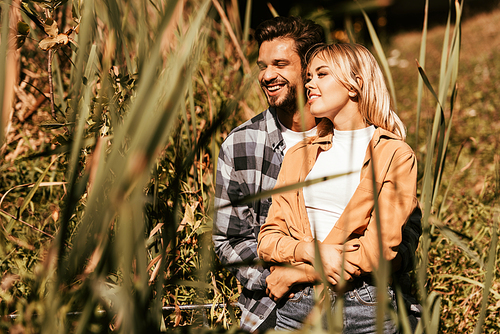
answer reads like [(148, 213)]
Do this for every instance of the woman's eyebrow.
[(321, 67)]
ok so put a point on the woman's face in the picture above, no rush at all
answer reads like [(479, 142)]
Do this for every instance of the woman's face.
[(327, 97)]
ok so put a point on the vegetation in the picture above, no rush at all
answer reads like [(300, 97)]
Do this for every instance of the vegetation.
[(107, 163)]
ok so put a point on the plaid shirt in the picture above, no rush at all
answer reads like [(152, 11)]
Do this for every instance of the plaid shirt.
[(249, 162)]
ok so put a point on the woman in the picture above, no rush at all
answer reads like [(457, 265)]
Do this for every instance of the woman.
[(366, 146)]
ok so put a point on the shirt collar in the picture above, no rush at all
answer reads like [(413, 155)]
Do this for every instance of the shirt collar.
[(274, 131)]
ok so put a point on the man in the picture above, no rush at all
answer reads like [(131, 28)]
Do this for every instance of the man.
[(250, 160)]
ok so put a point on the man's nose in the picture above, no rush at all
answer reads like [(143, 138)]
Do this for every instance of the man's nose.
[(269, 74)]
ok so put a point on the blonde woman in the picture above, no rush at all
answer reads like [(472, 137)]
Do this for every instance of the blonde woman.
[(361, 138)]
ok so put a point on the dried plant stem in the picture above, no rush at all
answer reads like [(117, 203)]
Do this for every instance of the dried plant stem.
[(4, 213), (51, 86), (225, 20)]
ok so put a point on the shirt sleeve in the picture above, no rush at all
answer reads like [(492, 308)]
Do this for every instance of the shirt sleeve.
[(235, 229), (411, 236)]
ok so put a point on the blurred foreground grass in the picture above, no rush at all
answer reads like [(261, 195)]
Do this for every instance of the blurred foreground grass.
[(133, 192)]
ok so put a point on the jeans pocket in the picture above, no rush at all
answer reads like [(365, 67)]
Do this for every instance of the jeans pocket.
[(292, 312), (297, 296), (366, 295)]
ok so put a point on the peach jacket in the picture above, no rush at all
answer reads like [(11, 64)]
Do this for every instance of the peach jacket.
[(394, 167)]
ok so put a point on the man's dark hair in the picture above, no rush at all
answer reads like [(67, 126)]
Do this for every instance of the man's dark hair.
[(305, 33)]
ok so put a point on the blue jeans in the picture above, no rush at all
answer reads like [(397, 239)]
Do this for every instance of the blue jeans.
[(360, 309)]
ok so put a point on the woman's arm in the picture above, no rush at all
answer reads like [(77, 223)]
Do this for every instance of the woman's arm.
[(396, 201)]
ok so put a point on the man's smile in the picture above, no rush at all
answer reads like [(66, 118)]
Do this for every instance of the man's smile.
[(273, 88)]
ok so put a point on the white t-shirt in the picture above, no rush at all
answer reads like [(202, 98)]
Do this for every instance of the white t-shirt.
[(292, 138), (326, 201)]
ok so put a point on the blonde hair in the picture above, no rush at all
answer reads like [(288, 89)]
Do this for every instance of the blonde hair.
[(356, 68)]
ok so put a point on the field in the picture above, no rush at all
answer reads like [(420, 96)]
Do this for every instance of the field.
[(107, 192)]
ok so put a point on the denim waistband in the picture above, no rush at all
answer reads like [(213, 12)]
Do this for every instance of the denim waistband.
[(355, 283)]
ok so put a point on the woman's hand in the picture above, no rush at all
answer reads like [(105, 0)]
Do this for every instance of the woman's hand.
[(331, 257)]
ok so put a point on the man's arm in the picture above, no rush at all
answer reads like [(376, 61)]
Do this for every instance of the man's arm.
[(235, 228), (412, 231)]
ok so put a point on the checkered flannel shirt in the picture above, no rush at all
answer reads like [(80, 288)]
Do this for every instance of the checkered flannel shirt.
[(249, 162)]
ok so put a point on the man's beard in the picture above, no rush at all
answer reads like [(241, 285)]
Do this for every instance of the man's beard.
[(287, 103)]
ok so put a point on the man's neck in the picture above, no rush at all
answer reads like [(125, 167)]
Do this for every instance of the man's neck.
[(295, 121)]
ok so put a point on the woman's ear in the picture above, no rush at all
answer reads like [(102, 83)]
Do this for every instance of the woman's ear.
[(353, 93), (360, 81)]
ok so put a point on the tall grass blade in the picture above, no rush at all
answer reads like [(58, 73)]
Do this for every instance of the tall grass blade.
[(32, 192), (82, 108), (382, 272), (421, 60), (425, 201), (490, 274), (451, 235), (404, 323), (246, 24), (449, 78), (113, 9), (74, 189), (349, 29), (381, 57), (279, 190), (444, 148), (436, 315), (59, 84), (492, 291), (445, 195), (444, 57), (192, 108), (272, 10), (4, 48), (427, 83)]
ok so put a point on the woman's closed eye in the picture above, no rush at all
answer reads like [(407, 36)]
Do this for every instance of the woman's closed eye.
[(322, 74)]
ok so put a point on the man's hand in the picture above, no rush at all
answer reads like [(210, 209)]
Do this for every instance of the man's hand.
[(280, 281)]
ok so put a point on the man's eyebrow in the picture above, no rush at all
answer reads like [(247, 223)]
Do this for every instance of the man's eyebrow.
[(281, 60)]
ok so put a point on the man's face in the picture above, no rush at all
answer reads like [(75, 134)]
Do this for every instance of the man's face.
[(280, 73)]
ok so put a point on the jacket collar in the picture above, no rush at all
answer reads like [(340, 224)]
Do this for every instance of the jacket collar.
[(325, 135)]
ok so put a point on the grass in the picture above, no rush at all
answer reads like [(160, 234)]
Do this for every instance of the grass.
[(129, 201)]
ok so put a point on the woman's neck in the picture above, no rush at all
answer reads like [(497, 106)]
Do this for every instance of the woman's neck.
[(349, 119)]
